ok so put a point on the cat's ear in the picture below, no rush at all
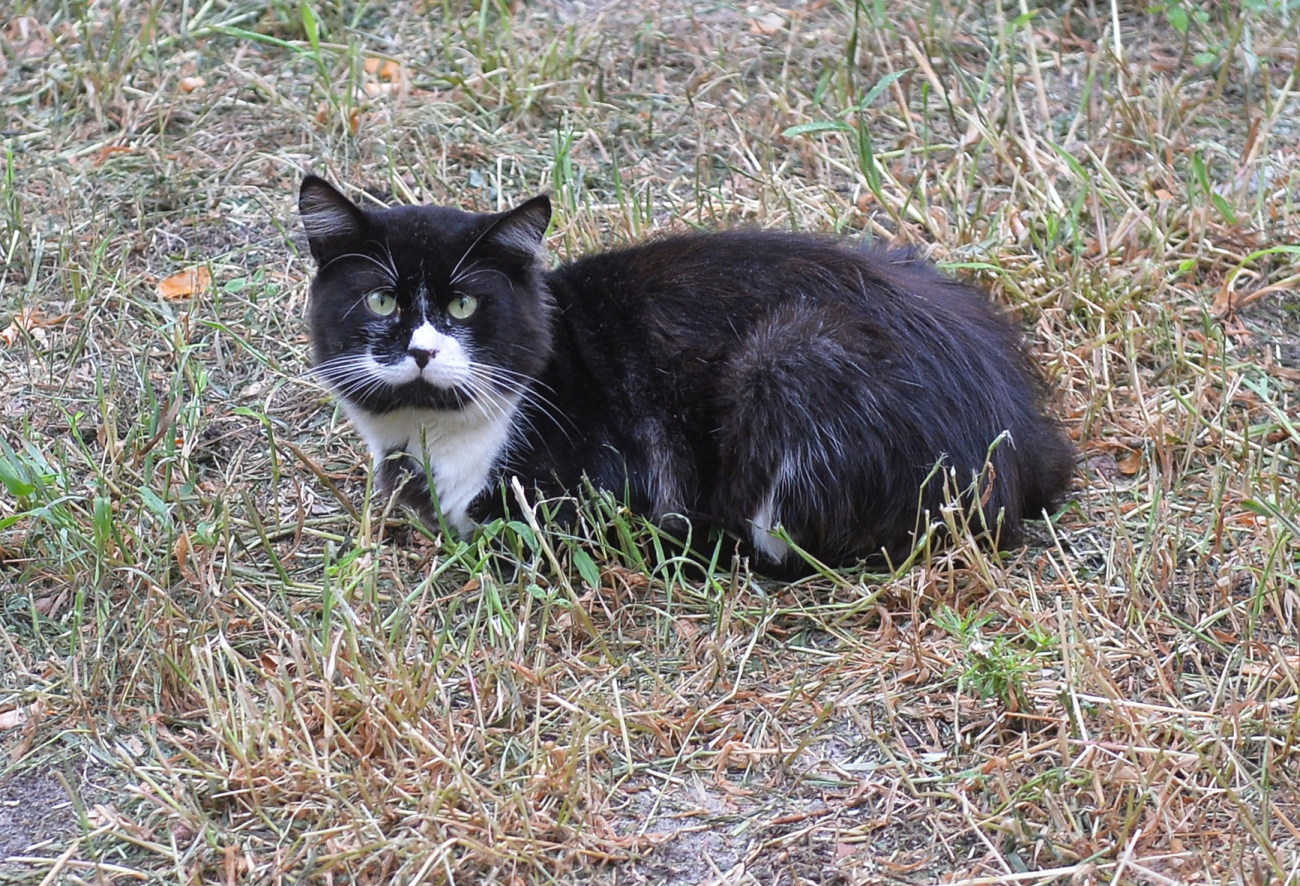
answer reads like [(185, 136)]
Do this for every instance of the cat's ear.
[(520, 230), (332, 220)]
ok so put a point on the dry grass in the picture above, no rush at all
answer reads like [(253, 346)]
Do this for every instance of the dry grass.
[(221, 663)]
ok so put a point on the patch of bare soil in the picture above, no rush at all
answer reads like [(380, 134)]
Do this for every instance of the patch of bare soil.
[(38, 818), (836, 822), (723, 833), (1274, 325)]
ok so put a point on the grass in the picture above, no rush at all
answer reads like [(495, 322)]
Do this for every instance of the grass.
[(222, 660)]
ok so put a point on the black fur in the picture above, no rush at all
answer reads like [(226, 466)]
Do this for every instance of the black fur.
[(698, 374)]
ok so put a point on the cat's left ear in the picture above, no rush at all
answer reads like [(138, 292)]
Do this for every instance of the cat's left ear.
[(332, 220), (521, 230)]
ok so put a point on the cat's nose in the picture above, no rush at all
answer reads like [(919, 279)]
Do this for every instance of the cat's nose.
[(422, 356)]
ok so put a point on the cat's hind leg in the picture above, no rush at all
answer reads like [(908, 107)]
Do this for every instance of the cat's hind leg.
[(802, 447)]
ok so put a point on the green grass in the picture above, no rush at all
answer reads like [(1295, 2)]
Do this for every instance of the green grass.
[(223, 660)]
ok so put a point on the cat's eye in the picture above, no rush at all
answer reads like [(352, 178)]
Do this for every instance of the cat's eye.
[(381, 302), (462, 306)]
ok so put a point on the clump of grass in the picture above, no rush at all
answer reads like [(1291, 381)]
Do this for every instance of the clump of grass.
[(239, 666)]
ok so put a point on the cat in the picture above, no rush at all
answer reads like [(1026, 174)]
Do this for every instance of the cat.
[(784, 387)]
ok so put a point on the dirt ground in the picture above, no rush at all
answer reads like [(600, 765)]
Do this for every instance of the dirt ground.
[(38, 818)]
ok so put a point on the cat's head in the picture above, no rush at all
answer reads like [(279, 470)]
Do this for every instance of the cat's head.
[(425, 306)]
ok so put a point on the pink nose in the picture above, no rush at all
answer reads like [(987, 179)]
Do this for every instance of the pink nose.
[(422, 356)]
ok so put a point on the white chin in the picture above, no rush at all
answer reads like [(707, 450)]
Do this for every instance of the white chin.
[(441, 380), (395, 374)]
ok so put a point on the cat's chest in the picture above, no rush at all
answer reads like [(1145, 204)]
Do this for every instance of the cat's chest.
[(461, 449)]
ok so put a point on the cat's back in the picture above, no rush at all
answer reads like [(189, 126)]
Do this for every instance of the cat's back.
[(742, 269), (697, 292), (735, 270)]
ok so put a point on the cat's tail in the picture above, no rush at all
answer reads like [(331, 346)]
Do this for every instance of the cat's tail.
[(1049, 469)]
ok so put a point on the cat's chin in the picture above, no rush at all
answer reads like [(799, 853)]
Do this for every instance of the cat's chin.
[(421, 395), (415, 397)]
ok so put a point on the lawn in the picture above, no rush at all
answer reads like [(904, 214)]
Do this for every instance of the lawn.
[(223, 659)]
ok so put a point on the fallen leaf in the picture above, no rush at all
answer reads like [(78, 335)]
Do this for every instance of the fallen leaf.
[(767, 24), (29, 321), (1019, 230), (271, 661), (18, 716), (10, 333), (383, 68), (186, 283), (99, 815), (109, 150), (28, 38), (1130, 464), (1272, 670), (181, 553)]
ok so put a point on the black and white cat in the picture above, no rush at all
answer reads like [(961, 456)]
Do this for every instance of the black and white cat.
[(746, 380)]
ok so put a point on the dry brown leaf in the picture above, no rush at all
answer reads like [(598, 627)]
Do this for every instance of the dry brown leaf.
[(18, 716), (181, 552), (10, 333), (28, 320), (28, 37), (383, 68), (101, 814), (1130, 464), (1019, 230), (1288, 665), (271, 661), (186, 283)]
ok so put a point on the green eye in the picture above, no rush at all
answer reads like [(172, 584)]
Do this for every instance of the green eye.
[(462, 306), (381, 302)]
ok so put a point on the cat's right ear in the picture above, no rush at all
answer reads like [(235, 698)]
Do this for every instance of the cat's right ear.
[(521, 230), (333, 222)]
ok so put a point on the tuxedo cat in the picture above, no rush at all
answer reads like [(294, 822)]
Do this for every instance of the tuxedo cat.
[(764, 383)]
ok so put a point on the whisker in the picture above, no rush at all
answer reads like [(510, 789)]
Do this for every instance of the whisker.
[(472, 270), (522, 386), (389, 271), (469, 271), (511, 373), (350, 375), (470, 249)]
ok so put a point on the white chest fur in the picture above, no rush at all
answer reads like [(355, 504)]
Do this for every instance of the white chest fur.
[(459, 447)]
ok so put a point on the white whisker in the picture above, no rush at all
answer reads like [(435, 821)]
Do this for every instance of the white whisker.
[(468, 250), (522, 386), (389, 269)]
